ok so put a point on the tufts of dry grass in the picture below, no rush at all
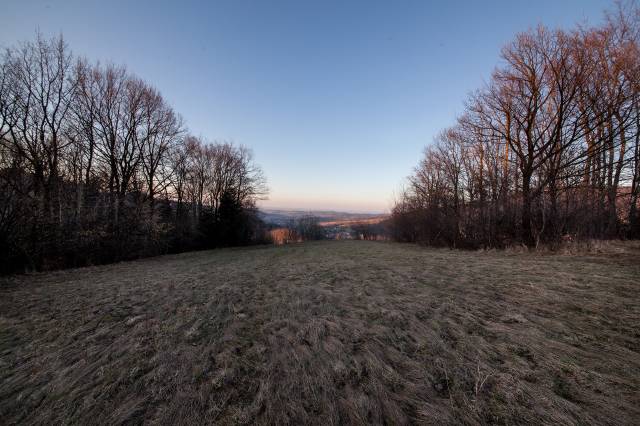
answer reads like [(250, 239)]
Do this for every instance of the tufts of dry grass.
[(326, 333)]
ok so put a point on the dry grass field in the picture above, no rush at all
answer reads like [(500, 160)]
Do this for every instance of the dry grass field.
[(326, 333)]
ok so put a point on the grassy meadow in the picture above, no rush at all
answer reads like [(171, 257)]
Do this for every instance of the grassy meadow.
[(325, 333)]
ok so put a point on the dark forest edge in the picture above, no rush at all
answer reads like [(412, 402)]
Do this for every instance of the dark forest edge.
[(547, 151), (96, 167)]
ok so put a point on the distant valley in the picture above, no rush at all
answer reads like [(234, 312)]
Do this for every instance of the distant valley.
[(281, 217)]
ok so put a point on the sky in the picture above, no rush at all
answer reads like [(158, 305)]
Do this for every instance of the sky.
[(337, 99)]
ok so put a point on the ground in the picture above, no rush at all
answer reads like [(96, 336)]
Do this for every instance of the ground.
[(326, 333)]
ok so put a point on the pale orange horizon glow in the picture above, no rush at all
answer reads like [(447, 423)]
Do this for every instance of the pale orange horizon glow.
[(356, 204)]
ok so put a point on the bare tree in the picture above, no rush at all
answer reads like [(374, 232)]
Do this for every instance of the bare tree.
[(548, 147), (95, 166)]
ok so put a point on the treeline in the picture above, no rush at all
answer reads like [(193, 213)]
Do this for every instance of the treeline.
[(370, 231), (547, 150), (305, 228), (96, 167)]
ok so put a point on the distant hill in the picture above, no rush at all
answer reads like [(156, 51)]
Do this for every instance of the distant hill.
[(326, 217)]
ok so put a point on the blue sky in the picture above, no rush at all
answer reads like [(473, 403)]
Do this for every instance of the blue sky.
[(336, 99)]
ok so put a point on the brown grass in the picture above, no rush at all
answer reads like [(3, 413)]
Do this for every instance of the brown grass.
[(326, 333)]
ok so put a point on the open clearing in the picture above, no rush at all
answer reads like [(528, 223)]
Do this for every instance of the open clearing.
[(326, 333)]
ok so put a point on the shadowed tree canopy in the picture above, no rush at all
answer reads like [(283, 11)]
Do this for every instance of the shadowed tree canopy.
[(547, 150), (95, 166)]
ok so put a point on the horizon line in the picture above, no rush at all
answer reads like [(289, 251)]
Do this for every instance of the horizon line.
[(332, 210)]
